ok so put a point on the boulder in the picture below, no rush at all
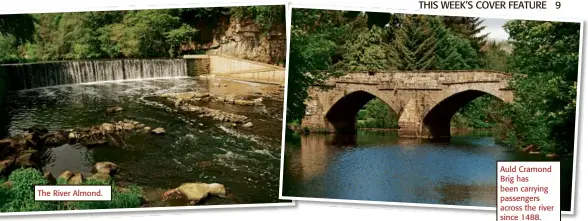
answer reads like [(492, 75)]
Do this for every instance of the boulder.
[(244, 102), (529, 148), (28, 158), (217, 189), (93, 143), (6, 148), (158, 130), (552, 156), (534, 152), (247, 125), (65, 176), (140, 126), (6, 165), (147, 128), (258, 101), (104, 177), (54, 139), (76, 179), (49, 177), (106, 167), (194, 192), (72, 135), (33, 139), (128, 126), (172, 194), (113, 109), (107, 127), (6, 142)]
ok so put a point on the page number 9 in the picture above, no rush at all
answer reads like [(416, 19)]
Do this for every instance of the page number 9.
[(557, 5)]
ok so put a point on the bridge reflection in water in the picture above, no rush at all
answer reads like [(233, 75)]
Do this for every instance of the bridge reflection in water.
[(380, 166)]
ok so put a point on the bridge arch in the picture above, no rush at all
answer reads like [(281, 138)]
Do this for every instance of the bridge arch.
[(341, 115), (437, 120)]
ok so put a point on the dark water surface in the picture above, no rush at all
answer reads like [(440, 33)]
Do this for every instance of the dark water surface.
[(379, 166), (245, 160)]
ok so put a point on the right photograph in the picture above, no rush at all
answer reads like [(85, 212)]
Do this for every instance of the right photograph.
[(389, 108)]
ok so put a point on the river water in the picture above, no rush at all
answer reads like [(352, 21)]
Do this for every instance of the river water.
[(246, 161), (379, 166)]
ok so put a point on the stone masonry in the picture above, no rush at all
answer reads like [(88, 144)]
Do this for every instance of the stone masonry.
[(425, 101)]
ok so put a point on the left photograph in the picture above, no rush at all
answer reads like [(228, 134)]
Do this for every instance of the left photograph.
[(169, 107)]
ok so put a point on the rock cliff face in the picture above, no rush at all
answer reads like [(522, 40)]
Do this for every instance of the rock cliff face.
[(244, 39)]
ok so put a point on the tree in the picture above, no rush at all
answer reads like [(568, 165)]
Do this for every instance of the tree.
[(21, 26), (313, 45), (495, 56), (545, 62), (415, 43), (468, 28), (453, 52), (367, 52), (376, 114)]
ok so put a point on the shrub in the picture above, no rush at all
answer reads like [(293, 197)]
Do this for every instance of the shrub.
[(20, 197)]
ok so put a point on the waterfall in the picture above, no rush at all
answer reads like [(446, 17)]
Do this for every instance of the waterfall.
[(34, 75)]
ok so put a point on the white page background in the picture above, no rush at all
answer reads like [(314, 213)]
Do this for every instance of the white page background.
[(571, 9)]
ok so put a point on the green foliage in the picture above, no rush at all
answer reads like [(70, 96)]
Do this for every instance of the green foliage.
[(483, 112), (367, 52), (21, 26), (9, 52), (415, 43), (121, 34), (496, 56), (468, 28), (545, 58), (129, 198), (453, 52), (267, 17), (20, 196), (376, 114), (146, 33), (315, 34)]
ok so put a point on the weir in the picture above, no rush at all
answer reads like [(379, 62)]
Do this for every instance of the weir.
[(44, 74), (228, 67)]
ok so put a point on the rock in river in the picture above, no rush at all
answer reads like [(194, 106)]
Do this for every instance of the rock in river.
[(113, 109), (77, 179), (106, 167), (244, 102), (93, 143), (158, 130), (248, 124), (195, 192), (49, 177), (107, 127), (28, 158), (65, 176)]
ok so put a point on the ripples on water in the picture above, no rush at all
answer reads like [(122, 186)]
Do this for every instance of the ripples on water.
[(379, 166), (246, 161)]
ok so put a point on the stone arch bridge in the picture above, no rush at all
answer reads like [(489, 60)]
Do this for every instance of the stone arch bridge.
[(425, 101)]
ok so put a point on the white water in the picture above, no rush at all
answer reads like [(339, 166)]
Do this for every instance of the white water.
[(36, 75)]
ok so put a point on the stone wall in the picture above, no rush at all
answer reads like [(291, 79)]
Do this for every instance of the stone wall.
[(198, 64), (243, 39)]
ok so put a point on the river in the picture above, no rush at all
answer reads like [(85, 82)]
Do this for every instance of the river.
[(379, 166), (246, 161)]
